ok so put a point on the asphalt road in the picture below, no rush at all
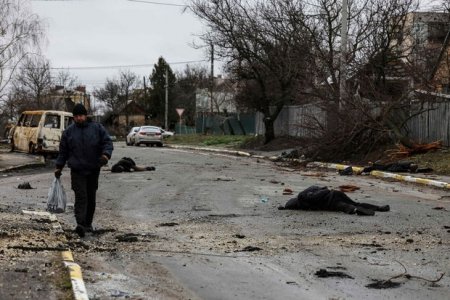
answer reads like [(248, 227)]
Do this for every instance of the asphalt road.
[(206, 226)]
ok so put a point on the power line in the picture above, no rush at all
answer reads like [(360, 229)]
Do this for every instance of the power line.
[(125, 66), (159, 3)]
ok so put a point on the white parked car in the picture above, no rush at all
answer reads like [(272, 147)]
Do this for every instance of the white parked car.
[(130, 136), (148, 135), (166, 133)]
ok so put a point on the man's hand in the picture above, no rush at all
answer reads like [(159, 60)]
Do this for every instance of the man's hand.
[(58, 173), (103, 160)]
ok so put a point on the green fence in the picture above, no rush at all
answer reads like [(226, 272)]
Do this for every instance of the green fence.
[(231, 124)]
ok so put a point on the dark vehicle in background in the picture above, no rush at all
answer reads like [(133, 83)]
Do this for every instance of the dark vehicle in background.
[(148, 135)]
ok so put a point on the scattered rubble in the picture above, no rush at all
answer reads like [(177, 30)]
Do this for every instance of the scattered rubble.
[(25, 186), (402, 151), (324, 273)]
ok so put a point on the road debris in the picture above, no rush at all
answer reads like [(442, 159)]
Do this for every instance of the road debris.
[(249, 249), (168, 224), (347, 188), (288, 191), (384, 284), (127, 238), (403, 151), (25, 186), (324, 273)]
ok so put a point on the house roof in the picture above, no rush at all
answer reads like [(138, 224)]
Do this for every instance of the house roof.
[(444, 50), (132, 106)]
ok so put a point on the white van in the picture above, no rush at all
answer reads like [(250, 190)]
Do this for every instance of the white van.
[(40, 131)]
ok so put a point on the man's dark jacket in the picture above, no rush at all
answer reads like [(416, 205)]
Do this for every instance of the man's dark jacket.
[(82, 145)]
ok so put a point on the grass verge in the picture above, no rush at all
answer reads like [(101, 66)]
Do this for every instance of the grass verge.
[(227, 141)]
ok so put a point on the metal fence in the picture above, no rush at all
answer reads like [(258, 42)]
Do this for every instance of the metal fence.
[(431, 125), (299, 121), (236, 124)]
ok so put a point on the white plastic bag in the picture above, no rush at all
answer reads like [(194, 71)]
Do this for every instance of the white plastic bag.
[(56, 202)]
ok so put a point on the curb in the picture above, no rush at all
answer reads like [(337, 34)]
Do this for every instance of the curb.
[(76, 278), (39, 163), (78, 287), (381, 174), (216, 150)]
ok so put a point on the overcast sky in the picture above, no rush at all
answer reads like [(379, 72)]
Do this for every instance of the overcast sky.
[(85, 34), (96, 33)]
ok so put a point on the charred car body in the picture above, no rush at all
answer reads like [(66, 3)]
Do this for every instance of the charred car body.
[(39, 131)]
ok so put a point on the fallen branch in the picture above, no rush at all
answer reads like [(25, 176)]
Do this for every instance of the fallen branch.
[(409, 276), (403, 151)]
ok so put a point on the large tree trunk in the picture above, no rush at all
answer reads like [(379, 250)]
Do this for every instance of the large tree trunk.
[(270, 130)]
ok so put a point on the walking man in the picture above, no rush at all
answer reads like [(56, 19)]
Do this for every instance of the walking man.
[(85, 146)]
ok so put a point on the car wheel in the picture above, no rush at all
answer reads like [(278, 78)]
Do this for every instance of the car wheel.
[(160, 145), (137, 144)]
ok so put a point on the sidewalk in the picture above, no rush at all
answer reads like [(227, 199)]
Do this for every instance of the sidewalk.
[(12, 160), (35, 259)]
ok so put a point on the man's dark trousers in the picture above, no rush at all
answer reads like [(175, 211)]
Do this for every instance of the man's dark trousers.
[(85, 188)]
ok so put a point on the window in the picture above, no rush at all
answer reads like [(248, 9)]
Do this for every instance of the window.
[(437, 32), (67, 121), (35, 119), (52, 121)]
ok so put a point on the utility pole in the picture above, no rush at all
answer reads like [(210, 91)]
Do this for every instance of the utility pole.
[(343, 58), (167, 99), (211, 83), (146, 103)]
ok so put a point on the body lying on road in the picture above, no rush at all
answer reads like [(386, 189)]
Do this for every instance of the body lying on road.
[(321, 198), (126, 164)]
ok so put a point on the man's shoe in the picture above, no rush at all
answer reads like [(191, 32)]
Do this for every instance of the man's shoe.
[(89, 229), (361, 211), (384, 208), (80, 231)]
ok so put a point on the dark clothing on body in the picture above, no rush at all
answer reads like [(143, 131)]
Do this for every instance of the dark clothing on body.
[(126, 164), (82, 146), (85, 188), (321, 198)]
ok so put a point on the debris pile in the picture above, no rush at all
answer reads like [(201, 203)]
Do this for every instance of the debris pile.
[(403, 151)]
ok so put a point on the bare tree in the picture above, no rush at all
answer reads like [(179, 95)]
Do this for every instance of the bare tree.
[(378, 78), (264, 46), (186, 85), (33, 82), (65, 79), (128, 81), (20, 34), (110, 96)]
